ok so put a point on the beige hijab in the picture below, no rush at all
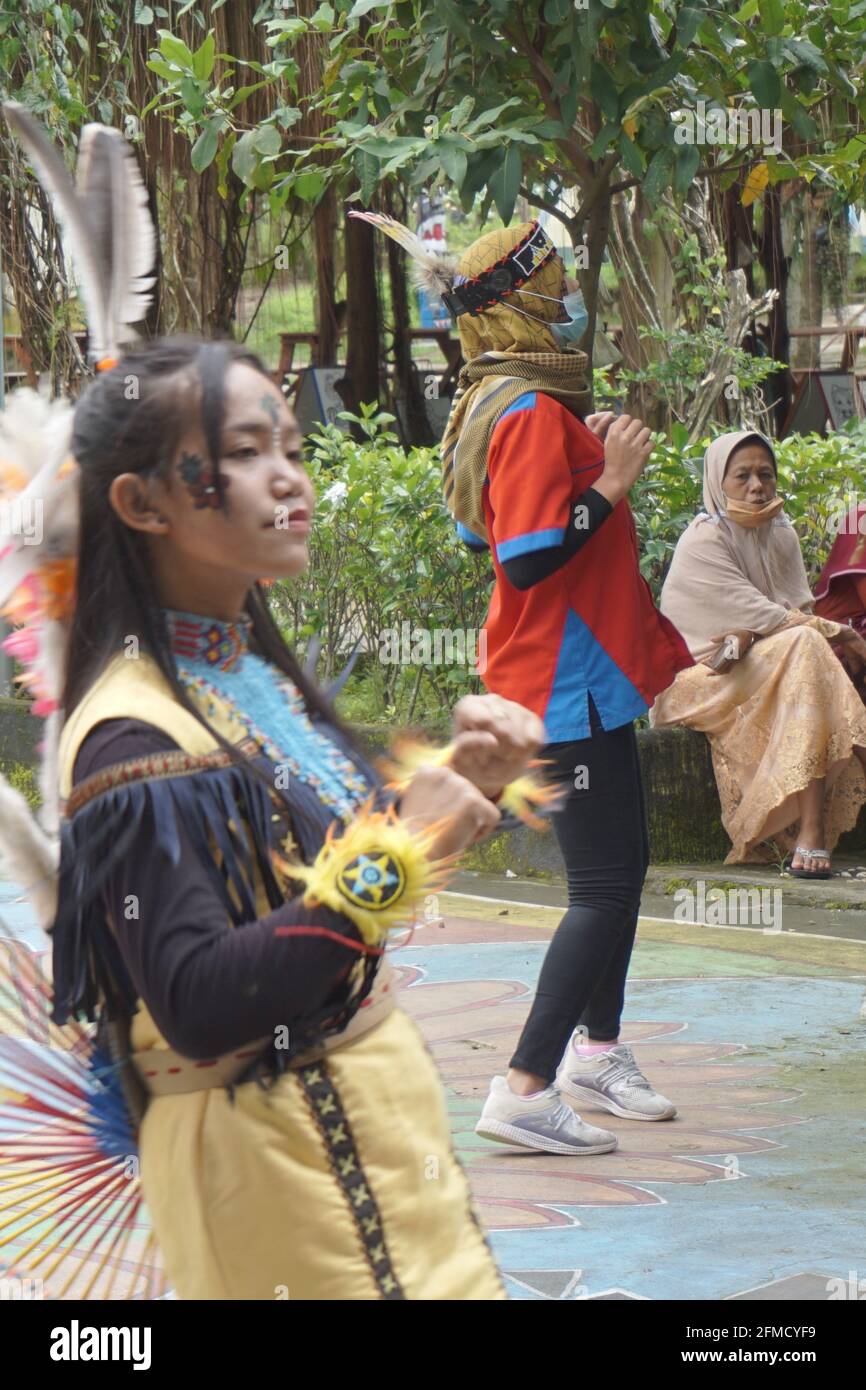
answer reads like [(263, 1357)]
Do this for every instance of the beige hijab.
[(725, 576)]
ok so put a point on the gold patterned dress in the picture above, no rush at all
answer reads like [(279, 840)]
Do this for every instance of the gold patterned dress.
[(783, 715), (337, 1182)]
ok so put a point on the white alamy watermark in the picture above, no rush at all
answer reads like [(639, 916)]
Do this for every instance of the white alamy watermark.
[(741, 126), (77, 1343), (406, 645), (846, 515), (22, 518), (20, 1290), (852, 1288), (731, 907)]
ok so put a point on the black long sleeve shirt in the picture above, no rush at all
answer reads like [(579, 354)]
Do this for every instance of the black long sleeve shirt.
[(524, 571), (210, 988)]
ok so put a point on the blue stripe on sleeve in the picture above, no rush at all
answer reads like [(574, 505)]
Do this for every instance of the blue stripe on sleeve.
[(469, 537), (532, 540), (524, 402)]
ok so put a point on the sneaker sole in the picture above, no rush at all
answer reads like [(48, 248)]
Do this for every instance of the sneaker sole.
[(502, 1133), (593, 1098)]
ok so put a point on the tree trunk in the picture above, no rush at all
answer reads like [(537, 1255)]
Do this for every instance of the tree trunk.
[(647, 298), (203, 236), (776, 267), (597, 232), (325, 228), (807, 351), (406, 384), (311, 52), (361, 382)]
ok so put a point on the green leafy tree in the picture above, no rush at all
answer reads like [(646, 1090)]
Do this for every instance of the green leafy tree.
[(545, 99)]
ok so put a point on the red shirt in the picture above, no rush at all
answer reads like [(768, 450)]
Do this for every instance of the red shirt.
[(592, 626)]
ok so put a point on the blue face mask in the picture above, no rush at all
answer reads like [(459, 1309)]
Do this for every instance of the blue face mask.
[(564, 333), (573, 331)]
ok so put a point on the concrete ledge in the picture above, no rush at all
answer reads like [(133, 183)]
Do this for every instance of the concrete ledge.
[(682, 802), (838, 893), (683, 812)]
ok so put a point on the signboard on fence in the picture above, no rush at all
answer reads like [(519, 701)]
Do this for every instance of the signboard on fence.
[(822, 399), (436, 407), (318, 401)]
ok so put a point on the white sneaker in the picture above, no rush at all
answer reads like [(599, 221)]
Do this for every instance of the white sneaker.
[(543, 1121), (614, 1081)]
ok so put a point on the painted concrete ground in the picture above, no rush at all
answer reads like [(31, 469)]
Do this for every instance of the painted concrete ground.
[(755, 1189), (757, 1185)]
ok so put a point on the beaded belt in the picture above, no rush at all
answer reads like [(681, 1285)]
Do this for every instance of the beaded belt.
[(164, 1072)]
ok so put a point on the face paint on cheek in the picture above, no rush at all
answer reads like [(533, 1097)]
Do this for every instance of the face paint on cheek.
[(198, 479)]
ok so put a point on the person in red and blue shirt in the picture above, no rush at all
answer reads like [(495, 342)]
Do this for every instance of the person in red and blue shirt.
[(561, 628), (573, 635)]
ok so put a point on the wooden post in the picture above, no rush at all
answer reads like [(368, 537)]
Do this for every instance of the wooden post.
[(361, 382)]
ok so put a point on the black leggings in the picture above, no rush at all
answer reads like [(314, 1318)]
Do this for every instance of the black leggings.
[(601, 828)]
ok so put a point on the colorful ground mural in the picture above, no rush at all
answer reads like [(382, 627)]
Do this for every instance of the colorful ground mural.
[(755, 1186), (755, 1190)]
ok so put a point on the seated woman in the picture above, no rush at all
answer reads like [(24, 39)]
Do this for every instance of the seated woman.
[(785, 725)]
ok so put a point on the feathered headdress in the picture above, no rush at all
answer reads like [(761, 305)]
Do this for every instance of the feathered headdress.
[(434, 272), (110, 236), (468, 294), (106, 224)]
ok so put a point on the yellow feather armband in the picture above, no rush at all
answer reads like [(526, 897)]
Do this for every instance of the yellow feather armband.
[(377, 872), (522, 797)]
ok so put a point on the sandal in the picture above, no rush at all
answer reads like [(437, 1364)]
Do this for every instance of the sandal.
[(810, 854)]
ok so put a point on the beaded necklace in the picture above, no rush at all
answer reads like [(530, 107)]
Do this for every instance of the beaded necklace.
[(214, 662)]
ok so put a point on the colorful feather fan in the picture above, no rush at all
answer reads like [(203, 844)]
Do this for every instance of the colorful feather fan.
[(72, 1217)]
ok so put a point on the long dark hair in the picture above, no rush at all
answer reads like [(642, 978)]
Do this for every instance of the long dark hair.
[(131, 420)]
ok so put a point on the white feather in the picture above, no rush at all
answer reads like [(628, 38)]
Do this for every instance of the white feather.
[(435, 272), (115, 198), (77, 232), (107, 226), (28, 855), (49, 776)]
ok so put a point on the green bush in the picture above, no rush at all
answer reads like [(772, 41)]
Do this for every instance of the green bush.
[(23, 779), (384, 552)]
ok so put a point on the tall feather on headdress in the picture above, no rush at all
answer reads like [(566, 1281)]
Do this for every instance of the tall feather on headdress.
[(110, 236), (435, 272), (106, 222)]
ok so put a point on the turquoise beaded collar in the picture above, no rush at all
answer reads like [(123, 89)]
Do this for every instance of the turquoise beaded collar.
[(216, 644), (214, 662)]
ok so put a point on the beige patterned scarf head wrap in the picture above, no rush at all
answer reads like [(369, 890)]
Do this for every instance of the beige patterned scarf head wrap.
[(726, 577), (506, 354)]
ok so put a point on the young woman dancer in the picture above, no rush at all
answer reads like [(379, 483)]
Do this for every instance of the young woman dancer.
[(192, 749)]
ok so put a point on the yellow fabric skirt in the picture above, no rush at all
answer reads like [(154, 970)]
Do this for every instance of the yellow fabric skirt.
[(338, 1183), (783, 715)]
